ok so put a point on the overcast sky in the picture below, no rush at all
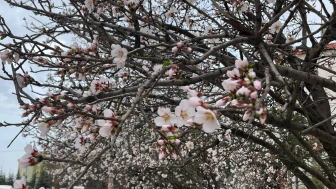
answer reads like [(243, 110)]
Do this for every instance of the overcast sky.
[(9, 107)]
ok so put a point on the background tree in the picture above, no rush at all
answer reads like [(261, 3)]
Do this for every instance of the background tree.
[(18, 176), (44, 180), (2, 177), (10, 179), (32, 182)]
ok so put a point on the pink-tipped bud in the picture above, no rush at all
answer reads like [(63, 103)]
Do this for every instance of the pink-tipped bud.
[(247, 115), (47, 109), (174, 155), (88, 107), (179, 44), (70, 105), (177, 141), (189, 121), (160, 142), (262, 117), (174, 49), (254, 95), (162, 153), (257, 84), (165, 128), (189, 49)]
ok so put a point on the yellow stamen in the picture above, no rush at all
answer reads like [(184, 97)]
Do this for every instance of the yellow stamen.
[(209, 116), (166, 117)]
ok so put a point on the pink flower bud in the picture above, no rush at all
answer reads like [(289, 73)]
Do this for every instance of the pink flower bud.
[(162, 153), (88, 107), (262, 117), (70, 105), (160, 142), (189, 49), (47, 109), (179, 44), (165, 128), (247, 115), (189, 121), (241, 64), (177, 141), (174, 155), (174, 49), (254, 95), (257, 84)]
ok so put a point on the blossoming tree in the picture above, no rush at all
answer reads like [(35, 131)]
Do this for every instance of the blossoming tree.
[(176, 93)]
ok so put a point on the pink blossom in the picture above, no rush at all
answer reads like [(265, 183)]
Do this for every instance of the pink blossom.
[(165, 117), (251, 73), (105, 130), (190, 121), (222, 101), (44, 128), (247, 115), (20, 184), (233, 73), (160, 142), (184, 112), (189, 49), (174, 49), (254, 95), (207, 118), (120, 55), (179, 44), (236, 103), (70, 105), (30, 158), (106, 126), (230, 85), (243, 91), (162, 153), (241, 64), (47, 109), (257, 84)]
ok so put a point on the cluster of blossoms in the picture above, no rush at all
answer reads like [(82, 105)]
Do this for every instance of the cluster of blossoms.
[(179, 46), (23, 80), (107, 126), (9, 57), (242, 90), (119, 55), (171, 133), (101, 85), (185, 114), (31, 158)]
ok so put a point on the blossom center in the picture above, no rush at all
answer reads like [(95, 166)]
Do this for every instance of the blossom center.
[(120, 53), (184, 114), (166, 117), (209, 116)]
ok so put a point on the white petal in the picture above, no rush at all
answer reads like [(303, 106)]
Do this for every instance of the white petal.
[(105, 131), (159, 121), (28, 149), (108, 113), (210, 126)]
